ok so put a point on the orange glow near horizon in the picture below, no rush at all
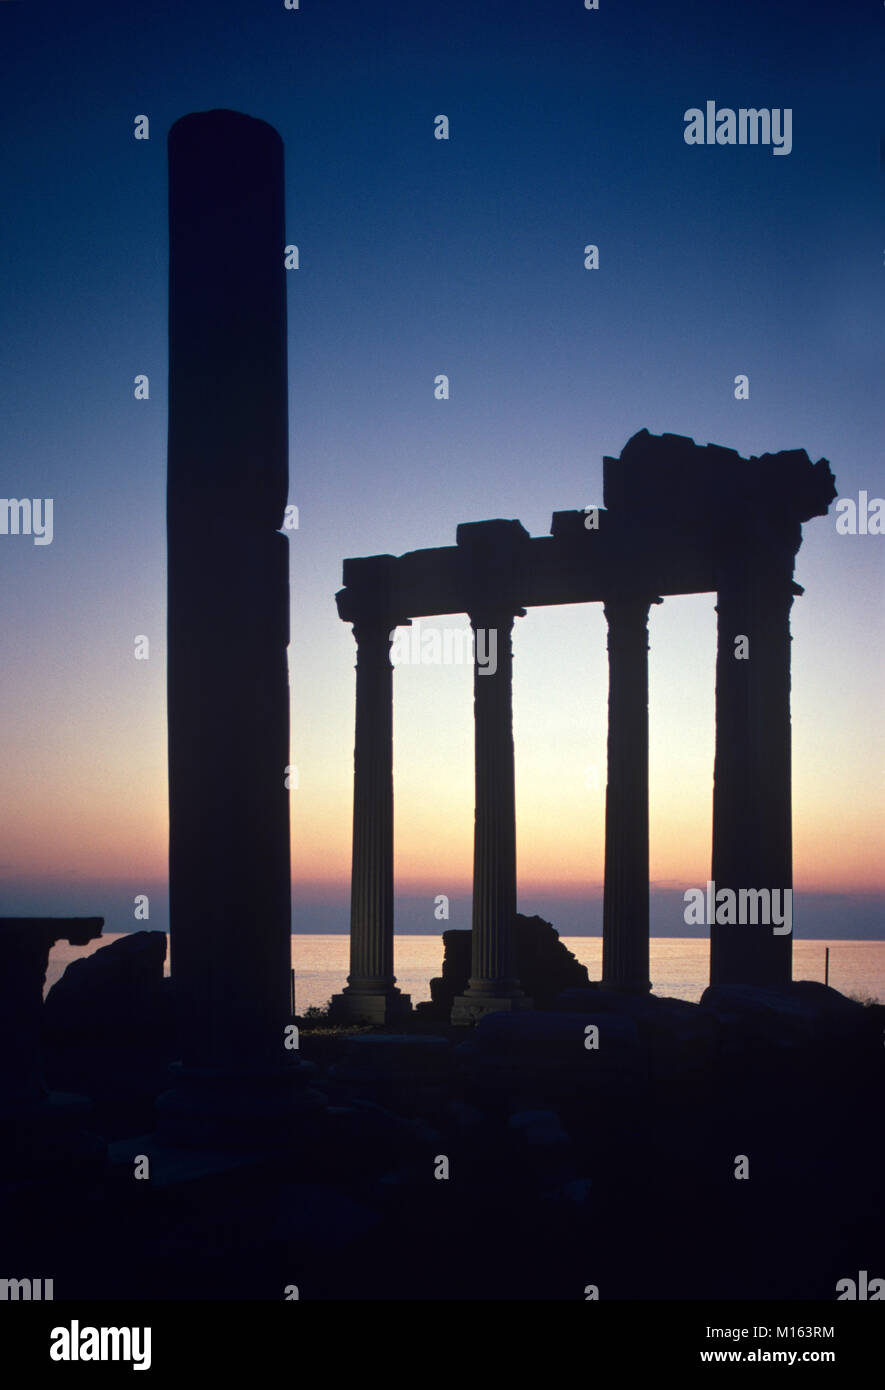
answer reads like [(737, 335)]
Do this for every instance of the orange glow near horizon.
[(72, 812), (560, 835)]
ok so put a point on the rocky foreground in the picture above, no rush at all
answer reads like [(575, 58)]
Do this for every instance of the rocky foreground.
[(605, 1146)]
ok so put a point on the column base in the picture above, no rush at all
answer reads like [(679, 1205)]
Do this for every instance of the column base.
[(467, 1008), (387, 1006)]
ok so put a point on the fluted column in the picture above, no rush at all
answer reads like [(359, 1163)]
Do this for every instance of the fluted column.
[(625, 896), (371, 995), (752, 794), (493, 983)]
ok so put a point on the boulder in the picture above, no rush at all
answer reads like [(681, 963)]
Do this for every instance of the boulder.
[(116, 993), (681, 1038), (548, 1036), (801, 1011), (109, 1031)]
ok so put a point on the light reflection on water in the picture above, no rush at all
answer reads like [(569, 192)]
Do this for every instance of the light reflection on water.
[(679, 966)]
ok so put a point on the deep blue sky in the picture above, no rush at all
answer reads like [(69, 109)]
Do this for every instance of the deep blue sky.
[(417, 257)]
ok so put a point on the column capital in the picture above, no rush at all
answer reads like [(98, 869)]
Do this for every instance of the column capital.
[(487, 614), (627, 616), (368, 627), (371, 594), (629, 603)]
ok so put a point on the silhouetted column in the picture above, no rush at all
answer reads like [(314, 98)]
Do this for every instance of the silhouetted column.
[(228, 630), (371, 995), (752, 798), (493, 983), (625, 896)]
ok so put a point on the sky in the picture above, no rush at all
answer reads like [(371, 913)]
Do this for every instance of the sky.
[(464, 256)]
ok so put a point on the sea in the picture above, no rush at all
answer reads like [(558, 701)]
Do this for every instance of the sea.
[(679, 965)]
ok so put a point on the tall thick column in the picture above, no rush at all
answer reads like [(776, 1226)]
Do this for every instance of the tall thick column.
[(493, 983), (228, 630), (371, 995), (625, 924), (752, 795)]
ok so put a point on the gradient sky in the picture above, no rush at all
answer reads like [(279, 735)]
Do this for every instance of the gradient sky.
[(421, 256)]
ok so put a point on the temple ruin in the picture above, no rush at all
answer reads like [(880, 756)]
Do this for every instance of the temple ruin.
[(678, 518)]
